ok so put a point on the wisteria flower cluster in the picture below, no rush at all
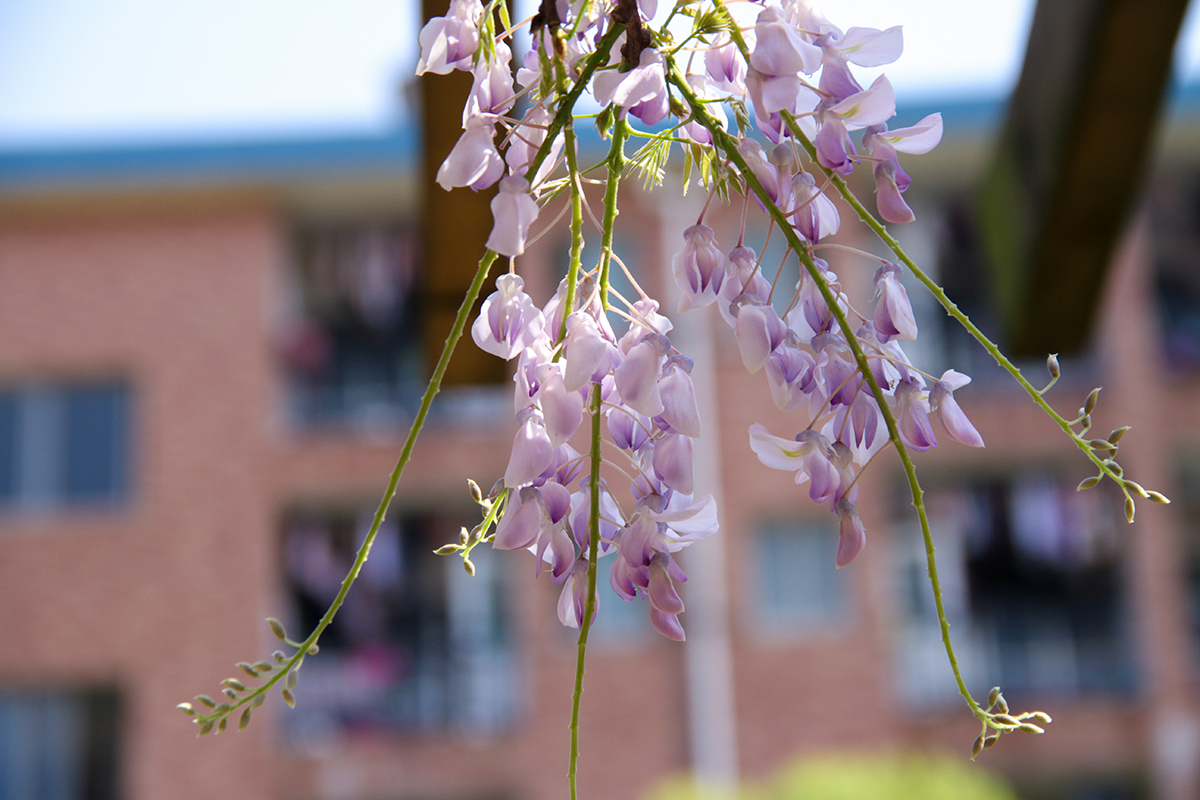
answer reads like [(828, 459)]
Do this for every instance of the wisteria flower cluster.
[(799, 83), (762, 100), (650, 407)]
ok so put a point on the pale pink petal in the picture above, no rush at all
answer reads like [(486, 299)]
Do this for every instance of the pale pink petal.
[(869, 47), (869, 107), (920, 138), (532, 453), (561, 408), (662, 592), (666, 624), (473, 160), (679, 401), (637, 379), (674, 462), (513, 210), (852, 537), (774, 451)]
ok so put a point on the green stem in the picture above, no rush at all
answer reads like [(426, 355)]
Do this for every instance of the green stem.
[(589, 607), (729, 146), (360, 558), (561, 118), (435, 385), (565, 112), (576, 227), (616, 163), (953, 310)]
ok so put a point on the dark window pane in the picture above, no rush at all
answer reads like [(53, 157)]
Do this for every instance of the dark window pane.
[(354, 354), (95, 452), (1039, 581), (799, 588), (10, 452), (57, 745), (418, 647)]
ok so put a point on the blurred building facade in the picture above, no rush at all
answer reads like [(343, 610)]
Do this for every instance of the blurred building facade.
[(209, 359)]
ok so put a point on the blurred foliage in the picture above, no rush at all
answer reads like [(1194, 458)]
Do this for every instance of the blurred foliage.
[(859, 776)]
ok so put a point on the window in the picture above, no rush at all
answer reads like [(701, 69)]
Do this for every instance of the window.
[(353, 352), (799, 589), (63, 445), (58, 745), (419, 646), (1031, 582)]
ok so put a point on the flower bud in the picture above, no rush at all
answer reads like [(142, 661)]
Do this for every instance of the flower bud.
[(1129, 509), (1135, 488), (1006, 720), (994, 694), (292, 679), (469, 566), (1029, 727), (230, 693), (263, 666), (1089, 405), (222, 724), (279, 656), (234, 683), (1052, 365), (206, 728), (1101, 444), (288, 698), (1041, 716), (312, 651), (447, 550), (977, 748), (476, 492), (245, 720), (1001, 705), (277, 629), (1118, 434), (1156, 497), (251, 670), (1088, 483), (205, 700), (187, 708)]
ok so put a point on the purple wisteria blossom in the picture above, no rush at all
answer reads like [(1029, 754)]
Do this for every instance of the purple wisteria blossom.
[(947, 411), (871, 106), (893, 312), (449, 43), (808, 455), (513, 211), (699, 268), (474, 161), (509, 321), (891, 181), (641, 92)]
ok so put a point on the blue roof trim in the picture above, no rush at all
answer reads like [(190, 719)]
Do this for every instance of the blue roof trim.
[(213, 163), (974, 116), (391, 154)]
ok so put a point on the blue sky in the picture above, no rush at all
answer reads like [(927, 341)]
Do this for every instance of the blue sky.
[(79, 71)]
